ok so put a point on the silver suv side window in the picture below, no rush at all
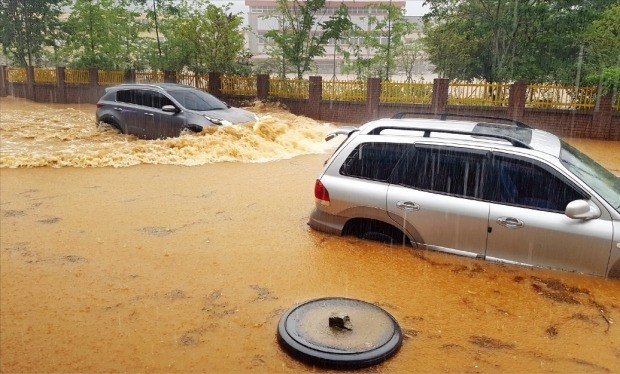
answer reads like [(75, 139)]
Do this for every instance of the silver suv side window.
[(525, 183), (443, 170), (148, 98), (374, 161)]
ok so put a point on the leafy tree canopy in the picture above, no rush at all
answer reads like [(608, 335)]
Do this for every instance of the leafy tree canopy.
[(102, 34), (27, 27), (503, 40), (602, 43), (204, 38), (301, 36)]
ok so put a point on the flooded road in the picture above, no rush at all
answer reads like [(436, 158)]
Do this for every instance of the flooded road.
[(161, 267)]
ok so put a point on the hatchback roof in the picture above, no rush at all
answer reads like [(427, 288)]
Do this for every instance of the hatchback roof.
[(163, 86), (518, 136)]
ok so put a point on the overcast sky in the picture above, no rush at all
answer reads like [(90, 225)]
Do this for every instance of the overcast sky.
[(414, 7)]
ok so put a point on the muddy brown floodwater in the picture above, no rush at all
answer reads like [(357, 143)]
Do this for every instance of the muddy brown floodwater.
[(162, 267)]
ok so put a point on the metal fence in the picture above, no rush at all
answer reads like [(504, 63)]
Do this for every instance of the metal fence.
[(344, 90), (110, 77), (76, 76), (406, 92), (291, 88), (45, 75), (560, 97), (149, 77), (459, 93), (17, 75), (485, 94), (238, 85)]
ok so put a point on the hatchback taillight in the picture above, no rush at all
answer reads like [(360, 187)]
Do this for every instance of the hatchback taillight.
[(99, 105), (320, 193)]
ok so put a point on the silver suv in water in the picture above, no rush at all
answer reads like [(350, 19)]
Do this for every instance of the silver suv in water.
[(502, 192), (153, 111)]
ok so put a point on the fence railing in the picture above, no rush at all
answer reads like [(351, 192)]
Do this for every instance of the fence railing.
[(17, 75), (149, 77), (406, 92), (76, 76), (45, 75), (110, 77), (291, 88), (560, 97), (491, 94), (344, 90), (238, 85)]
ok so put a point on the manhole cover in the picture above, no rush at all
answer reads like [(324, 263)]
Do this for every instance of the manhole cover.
[(339, 332)]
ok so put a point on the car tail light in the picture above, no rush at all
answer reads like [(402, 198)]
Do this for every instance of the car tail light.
[(320, 193), (99, 105)]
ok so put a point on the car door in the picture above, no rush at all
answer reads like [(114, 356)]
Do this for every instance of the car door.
[(436, 195), (166, 124), (527, 223), (127, 110)]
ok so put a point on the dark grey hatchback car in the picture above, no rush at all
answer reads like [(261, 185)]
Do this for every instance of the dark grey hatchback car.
[(153, 111)]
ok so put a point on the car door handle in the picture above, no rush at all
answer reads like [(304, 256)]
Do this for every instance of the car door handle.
[(118, 109), (510, 222), (408, 205), (148, 114)]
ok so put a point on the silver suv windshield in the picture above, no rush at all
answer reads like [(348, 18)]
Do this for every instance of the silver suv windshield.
[(594, 175)]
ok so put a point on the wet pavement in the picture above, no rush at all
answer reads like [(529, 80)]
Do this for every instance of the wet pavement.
[(172, 268)]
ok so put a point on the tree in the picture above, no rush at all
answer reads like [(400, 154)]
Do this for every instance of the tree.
[(499, 40), (336, 28), (155, 10), (101, 34), (602, 42), (388, 35), (409, 55), (301, 36), (204, 38), (28, 26), (376, 48)]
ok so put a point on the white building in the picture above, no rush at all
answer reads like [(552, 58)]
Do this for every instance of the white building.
[(261, 18)]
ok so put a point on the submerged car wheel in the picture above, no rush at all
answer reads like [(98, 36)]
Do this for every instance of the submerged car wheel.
[(377, 236), (193, 128), (375, 230), (112, 123)]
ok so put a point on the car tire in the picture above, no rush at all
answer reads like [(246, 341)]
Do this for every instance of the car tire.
[(376, 231), (113, 123), (194, 128), (377, 236)]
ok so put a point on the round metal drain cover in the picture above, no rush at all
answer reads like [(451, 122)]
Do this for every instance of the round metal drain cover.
[(339, 332)]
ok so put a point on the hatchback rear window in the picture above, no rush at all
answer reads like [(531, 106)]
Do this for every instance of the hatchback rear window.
[(373, 161)]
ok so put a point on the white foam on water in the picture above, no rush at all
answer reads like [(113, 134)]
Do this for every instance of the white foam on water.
[(68, 137)]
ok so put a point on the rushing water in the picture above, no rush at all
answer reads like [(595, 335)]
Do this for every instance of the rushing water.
[(60, 135), (167, 268)]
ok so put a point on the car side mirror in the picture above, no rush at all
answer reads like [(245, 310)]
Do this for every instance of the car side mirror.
[(582, 209), (169, 109)]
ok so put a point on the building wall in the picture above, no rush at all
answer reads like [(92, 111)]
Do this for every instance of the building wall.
[(260, 22)]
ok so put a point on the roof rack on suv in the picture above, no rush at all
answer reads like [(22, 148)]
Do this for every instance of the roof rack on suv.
[(444, 116), (480, 132)]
